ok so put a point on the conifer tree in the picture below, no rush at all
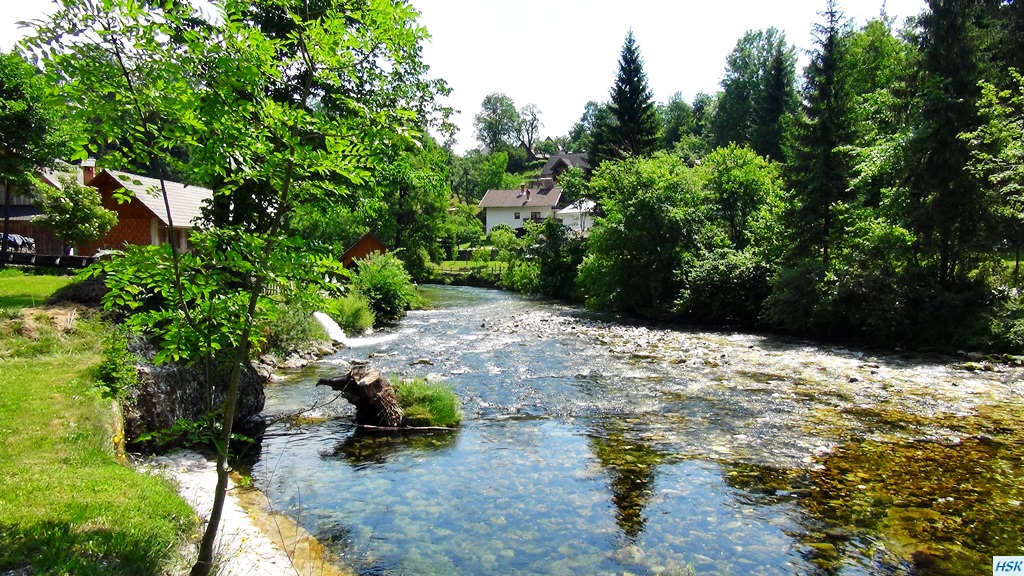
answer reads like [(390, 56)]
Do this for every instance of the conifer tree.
[(820, 170), (949, 213), (632, 129)]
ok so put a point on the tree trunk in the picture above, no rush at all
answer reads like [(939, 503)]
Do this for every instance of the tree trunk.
[(372, 395)]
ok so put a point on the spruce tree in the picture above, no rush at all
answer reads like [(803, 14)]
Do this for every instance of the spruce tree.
[(633, 126), (949, 212), (820, 170)]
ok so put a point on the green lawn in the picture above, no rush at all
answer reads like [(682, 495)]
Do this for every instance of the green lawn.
[(67, 505), (19, 290)]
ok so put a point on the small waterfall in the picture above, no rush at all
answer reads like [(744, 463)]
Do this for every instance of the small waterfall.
[(336, 334)]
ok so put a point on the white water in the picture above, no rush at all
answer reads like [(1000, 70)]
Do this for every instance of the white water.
[(335, 333)]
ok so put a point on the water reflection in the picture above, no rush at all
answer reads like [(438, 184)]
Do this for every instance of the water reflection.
[(365, 448), (591, 447), (632, 467)]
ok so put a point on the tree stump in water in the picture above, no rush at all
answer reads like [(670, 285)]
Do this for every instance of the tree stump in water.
[(372, 395)]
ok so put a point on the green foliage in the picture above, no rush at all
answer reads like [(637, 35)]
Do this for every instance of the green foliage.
[(726, 287), (34, 132), (676, 117), (497, 123), (352, 313), (475, 173), (428, 404), (481, 255), (521, 276), (74, 212), (292, 327), (657, 223), (382, 279), (739, 182), (558, 256), (196, 305), (758, 96), (116, 374), (630, 127)]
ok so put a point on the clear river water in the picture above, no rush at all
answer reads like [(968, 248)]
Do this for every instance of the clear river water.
[(593, 446)]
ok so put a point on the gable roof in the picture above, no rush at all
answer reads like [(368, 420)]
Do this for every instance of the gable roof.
[(576, 160), (186, 201), (544, 198)]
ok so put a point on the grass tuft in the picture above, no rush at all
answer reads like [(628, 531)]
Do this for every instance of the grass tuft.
[(428, 404)]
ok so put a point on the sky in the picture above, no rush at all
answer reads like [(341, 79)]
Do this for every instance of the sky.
[(561, 54)]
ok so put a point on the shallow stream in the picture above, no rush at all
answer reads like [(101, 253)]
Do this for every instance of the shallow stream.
[(591, 446)]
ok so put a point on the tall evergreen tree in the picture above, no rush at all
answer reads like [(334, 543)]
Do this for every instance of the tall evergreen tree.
[(949, 213), (758, 94), (820, 171), (633, 130)]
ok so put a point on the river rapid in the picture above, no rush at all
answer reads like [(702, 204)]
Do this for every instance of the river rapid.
[(592, 446)]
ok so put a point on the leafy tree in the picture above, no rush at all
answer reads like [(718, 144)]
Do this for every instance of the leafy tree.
[(528, 129), (998, 155), (149, 80), (580, 137), (949, 212), (559, 256), (820, 171), (657, 224), (497, 124), (676, 120), (32, 131), (758, 94), (739, 182), (475, 173), (633, 129), (411, 207), (74, 212)]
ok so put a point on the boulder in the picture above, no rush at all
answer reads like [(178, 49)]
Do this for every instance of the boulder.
[(167, 393)]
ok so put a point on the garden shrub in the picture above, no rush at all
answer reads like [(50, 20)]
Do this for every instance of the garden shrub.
[(292, 328), (352, 313), (428, 403), (116, 373), (383, 280), (728, 287)]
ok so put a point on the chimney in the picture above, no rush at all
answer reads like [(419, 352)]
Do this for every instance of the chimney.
[(88, 170), (522, 187)]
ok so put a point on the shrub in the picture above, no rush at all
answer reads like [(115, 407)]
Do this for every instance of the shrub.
[(428, 404), (521, 277), (293, 327), (481, 255), (116, 374), (352, 313), (383, 281), (728, 287)]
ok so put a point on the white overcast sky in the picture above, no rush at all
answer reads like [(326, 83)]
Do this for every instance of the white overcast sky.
[(560, 54)]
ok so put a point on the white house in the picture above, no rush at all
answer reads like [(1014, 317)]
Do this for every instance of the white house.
[(578, 217), (513, 207)]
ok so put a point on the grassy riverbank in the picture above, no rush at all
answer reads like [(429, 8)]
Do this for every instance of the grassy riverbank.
[(67, 505)]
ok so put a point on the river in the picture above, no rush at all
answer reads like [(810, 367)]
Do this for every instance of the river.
[(592, 446)]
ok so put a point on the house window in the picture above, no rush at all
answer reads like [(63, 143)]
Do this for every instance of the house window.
[(535, 215), (516, 216)]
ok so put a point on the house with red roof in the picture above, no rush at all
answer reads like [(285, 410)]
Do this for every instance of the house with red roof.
[(144, 219)]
